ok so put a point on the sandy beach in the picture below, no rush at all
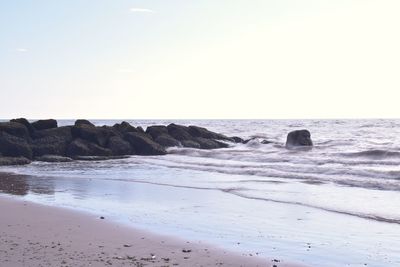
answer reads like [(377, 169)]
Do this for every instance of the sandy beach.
[(37, 235)]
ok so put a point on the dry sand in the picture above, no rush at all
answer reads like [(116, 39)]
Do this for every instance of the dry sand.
[(36, 235)]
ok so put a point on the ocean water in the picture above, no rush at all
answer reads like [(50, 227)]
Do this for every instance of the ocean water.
[(337, 204)]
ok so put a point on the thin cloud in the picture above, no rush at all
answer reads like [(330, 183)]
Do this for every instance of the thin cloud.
[(141, 10), (21, 50)]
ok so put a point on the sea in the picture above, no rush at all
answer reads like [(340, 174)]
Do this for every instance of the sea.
[(336, 204)]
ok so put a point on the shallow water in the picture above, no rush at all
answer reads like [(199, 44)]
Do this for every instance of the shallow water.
[(335, 205)]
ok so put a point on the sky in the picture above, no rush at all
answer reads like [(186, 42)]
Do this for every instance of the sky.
[(200, 59)]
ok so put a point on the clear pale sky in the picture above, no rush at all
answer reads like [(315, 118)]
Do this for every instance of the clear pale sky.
[(200, 58)]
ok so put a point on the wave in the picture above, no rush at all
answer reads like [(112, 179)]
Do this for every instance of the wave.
[(374, 153)]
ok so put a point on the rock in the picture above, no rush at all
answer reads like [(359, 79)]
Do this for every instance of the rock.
[(98, 135), (83, 122), (124, 127), (179, 132), (143, 145), (44, 124), (157, 130), (53, 158), (51, 141), (167, 141), (190, 143), (265, 142), (119, 146), (209, 144), (15, 129), (237, 139), (12, 146), (13, 161), (299, 138), (196, 131), (80, 147), (26, 123), (140, 129)]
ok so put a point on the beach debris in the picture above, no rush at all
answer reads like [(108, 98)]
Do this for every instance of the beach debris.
[(102, 217), (127, 245), (186, 250)]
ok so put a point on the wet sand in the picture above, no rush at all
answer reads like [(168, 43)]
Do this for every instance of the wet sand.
[(37, 235)]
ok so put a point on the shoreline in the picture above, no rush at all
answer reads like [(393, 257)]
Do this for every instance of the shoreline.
[(38, 235)]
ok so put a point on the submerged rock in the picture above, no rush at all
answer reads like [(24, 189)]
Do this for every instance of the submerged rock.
[(299, 138)]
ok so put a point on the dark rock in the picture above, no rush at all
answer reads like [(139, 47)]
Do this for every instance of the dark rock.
[(299, 138), (196, 131), (237, 139), (83, 122), (119, 146), (26, 123), (143, 145), (124, 127), (190, 143), (12, 146), (98, 135), (51, 141), (179, 132), (157, 130), (53, 158), (13, 161), (265, 142), (80, 147), (140, 129), (15, 129), (209, 144), (167, 141), (44, 124)]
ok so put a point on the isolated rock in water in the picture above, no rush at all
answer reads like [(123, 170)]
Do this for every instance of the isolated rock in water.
[(80, 147), (299, 138), (26, 123), (119, 146), (15, 129), (179, 132), (167, 141), (190, 143), (143, 145), (83, 122), (51, 141), (53, 158), (157, 130), (98, 135), (44, 124), (124, 127), (13, 161), (12, 146)]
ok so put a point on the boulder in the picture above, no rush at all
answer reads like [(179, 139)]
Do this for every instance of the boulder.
[(167, 141), (119, 146), (15, 129), (83, 122), (44, 124), (179, 132), (190, 143), (196, 131), (53, 158), (98, 135), (140, 129), (51, 141), (299, 138), (143, 145), (209, 143), (237, 139), (26, 123), (124, 127), (80, 147), (13, 161), (157, 130), (12, 146)]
